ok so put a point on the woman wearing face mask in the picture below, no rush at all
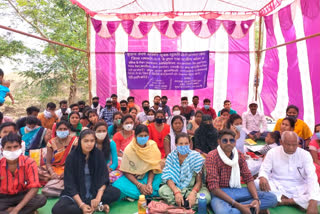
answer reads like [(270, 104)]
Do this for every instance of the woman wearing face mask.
[(206, 136), (34, 136), (86, 180), (159, 130), (116, 126), (301, 128), (194, 124), (108, 148), (125, 136), (176, 111), (58, 150), (150, 117), (314, 148), (141, 166), (235, 124), (177, 126), (76, 126), (182, 175)]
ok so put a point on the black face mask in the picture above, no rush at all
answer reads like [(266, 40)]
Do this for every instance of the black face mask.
[(123, 108), (156, 104), (145, 108), (63, 110), (292, 116), (108, 106), (80, 109), (159, 120), (164, 102), (95, 104)]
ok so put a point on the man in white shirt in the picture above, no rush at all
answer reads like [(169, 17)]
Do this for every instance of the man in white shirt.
[(64, 110), (142, 116), (289, 173), (254, 123)]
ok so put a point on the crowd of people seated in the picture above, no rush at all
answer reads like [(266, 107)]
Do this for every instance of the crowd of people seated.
[(92, 156)]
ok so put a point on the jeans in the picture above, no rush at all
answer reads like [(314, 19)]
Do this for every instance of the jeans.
[(262, 137), (243, 196)]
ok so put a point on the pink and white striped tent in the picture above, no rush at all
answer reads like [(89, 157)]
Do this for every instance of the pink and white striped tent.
[(288, 75)]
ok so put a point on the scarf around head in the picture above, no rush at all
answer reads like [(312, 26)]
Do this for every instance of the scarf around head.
[(234, 163), (139, 160), (76, 130)]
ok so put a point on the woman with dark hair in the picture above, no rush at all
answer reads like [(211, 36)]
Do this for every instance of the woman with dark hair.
[(206, 136), (150, 117), (301, 128), (116, 126), (125, 135), (177, 127), (84, 119), (314, 148), (133, 112), (58, 149), (34, 136), (108, 148), (182, 174), (159, 130), (93, 118), (86, 180), (141, 166), (235, 124), (288, 124), (194, 124), (76, 126)]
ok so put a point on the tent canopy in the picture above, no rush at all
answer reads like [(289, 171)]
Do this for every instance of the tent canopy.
[(179, 7)]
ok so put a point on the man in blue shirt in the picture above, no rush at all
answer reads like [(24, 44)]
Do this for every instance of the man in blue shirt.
[(107, 112), (165, 108), (227, 105)]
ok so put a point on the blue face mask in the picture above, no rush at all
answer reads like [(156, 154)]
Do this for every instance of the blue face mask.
[(206, 107), (318, 135), (62, 134), (142, 140), (183, 150)]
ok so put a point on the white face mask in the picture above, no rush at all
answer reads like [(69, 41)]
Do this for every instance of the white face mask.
[(150, 117), (101, 135), (176, 112), (12, 155), (47, 114), (128, 127), (239, 128), (29, 129)]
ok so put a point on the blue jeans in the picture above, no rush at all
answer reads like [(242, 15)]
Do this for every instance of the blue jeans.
[(243, 196), (262, 137)]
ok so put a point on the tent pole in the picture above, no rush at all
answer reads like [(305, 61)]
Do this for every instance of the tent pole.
[(89, 56), (258, 58)]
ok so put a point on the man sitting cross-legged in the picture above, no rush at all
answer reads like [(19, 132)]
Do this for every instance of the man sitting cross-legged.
[(224, 166), (289, 173), (19, 182)]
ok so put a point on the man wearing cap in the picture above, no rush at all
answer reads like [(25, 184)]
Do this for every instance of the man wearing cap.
[(254, 123), (107, 112)]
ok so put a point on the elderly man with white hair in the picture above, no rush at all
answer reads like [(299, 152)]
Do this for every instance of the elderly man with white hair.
[(289, 173)]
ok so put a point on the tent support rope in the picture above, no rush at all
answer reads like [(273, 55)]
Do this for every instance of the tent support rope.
[(41, 38)]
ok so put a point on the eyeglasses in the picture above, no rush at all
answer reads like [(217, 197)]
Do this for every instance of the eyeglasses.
[(226, 140)]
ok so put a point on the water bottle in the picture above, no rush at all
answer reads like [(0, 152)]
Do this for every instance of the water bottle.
[(142, 205), (202, 204)]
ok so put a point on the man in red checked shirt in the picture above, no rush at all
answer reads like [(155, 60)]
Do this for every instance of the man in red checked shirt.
[(19, 181), (224, 166)]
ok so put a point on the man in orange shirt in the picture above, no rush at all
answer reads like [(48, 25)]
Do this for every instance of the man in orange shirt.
[(19, 182), (48, 117)]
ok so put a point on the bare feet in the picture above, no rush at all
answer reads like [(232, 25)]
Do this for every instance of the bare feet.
[(285, 201), (106, 208)]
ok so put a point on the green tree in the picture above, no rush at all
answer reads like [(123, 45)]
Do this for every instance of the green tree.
[(54, 65), (9, 48)]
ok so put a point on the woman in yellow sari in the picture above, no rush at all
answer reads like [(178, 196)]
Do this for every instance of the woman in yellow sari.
[(58, 149), (140, 166)]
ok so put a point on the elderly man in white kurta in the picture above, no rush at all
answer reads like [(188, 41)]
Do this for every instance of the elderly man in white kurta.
[(289, 173)]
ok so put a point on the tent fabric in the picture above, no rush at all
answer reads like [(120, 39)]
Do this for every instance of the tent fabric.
[(225, 79), (290, 74), (172, 29), (177, 7)]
